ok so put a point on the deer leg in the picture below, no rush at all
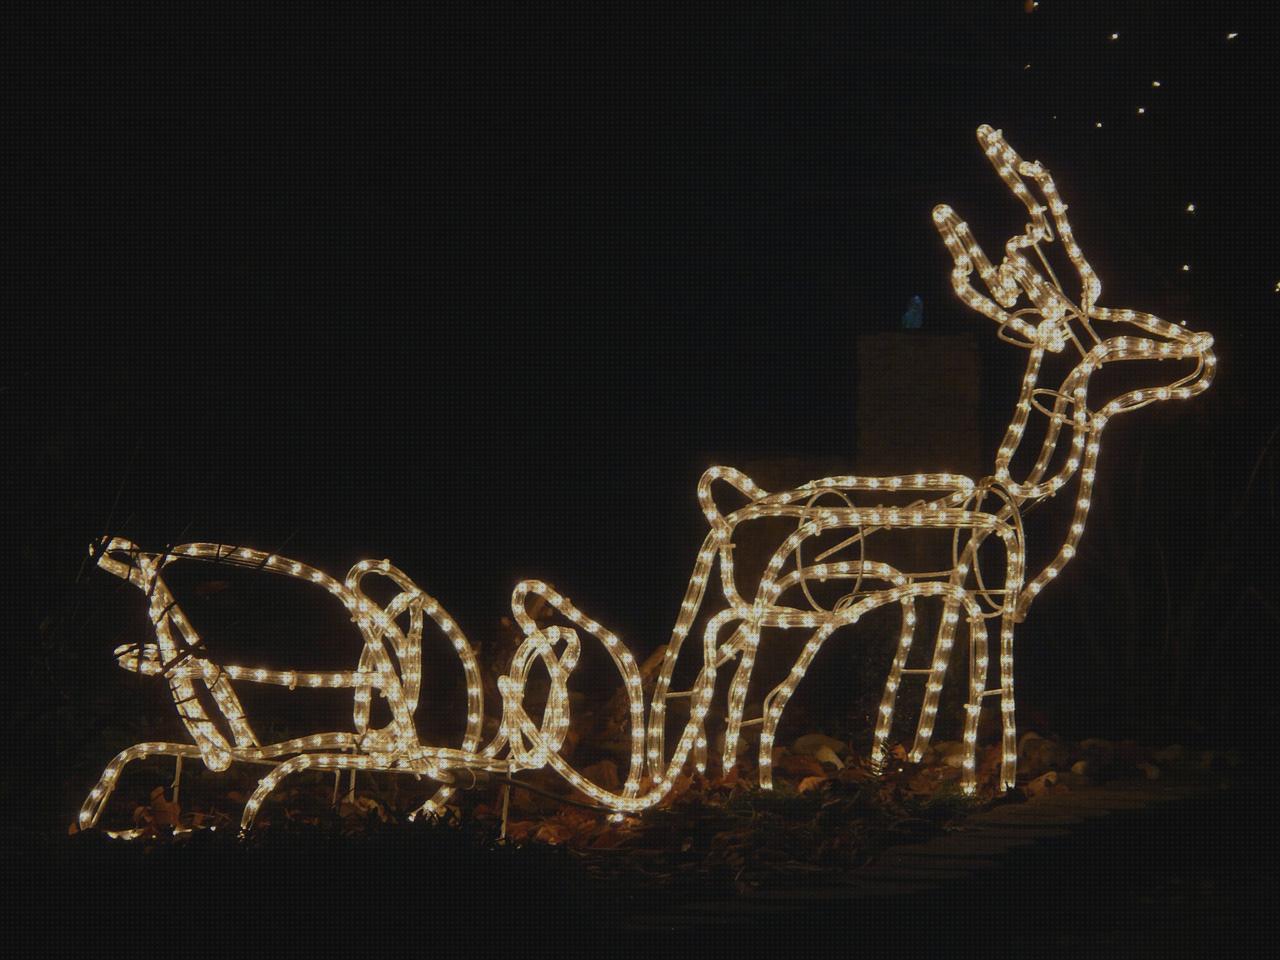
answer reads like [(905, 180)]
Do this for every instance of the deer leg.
[(93, 805), (777, 699), (885, 719), (1009, 763), (738, 695), (977, 687), (937, 670)]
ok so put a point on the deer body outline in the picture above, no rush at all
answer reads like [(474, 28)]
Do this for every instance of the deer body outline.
[(1063, 324), (974, 511)]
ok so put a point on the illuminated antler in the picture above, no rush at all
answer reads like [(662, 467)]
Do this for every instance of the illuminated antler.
[(1015, 273)]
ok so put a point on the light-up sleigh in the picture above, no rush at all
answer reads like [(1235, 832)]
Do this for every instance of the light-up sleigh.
[(204, 691), (984, 581)]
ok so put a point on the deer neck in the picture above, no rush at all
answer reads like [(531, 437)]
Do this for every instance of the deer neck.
[(1067, 426), (1062, 428)]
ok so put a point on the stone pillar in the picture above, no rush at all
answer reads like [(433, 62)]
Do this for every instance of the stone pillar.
[(918, 405)]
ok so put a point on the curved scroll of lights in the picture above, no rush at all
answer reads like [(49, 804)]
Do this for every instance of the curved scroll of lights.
[(974, 511)]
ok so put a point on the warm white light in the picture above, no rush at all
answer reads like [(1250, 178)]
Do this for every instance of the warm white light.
[(986, 511)]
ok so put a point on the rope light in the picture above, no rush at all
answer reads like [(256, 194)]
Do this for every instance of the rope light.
[(973, 512)]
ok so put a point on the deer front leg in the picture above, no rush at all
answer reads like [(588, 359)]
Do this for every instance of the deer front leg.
[(937, 670), (1009, 763), (885, 719), (777, 699), (750, 642), (977, 689)]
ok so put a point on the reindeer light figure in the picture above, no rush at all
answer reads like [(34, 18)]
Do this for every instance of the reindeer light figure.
[(1051, 323), (973, 513)]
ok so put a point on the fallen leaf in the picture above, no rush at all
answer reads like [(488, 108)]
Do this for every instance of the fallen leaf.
[(608, 839), (1042, 785), (520, 829), (810, 783), (826, 755), (553, 833), (798, 765), (164, 812), (813, 743)]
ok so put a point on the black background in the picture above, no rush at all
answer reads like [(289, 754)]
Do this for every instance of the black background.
[(486, 294)]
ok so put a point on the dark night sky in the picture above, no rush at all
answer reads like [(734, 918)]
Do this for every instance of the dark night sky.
[(486, 295)]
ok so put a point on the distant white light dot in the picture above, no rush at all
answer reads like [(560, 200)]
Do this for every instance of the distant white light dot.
[(1232, 36), (1115, 36), (1186, 267), (1142, 109), (1155, 83), (1191, 208)]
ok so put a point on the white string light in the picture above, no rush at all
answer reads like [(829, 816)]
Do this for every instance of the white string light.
[(973, 512)]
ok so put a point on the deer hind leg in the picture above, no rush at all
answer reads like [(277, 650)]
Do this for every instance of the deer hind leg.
[(977, 689), (1009, 728), (884, 720), (937, 670), (777, 699), (91, 809)]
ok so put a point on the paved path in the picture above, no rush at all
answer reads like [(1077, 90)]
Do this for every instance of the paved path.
[(1058, 867)]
